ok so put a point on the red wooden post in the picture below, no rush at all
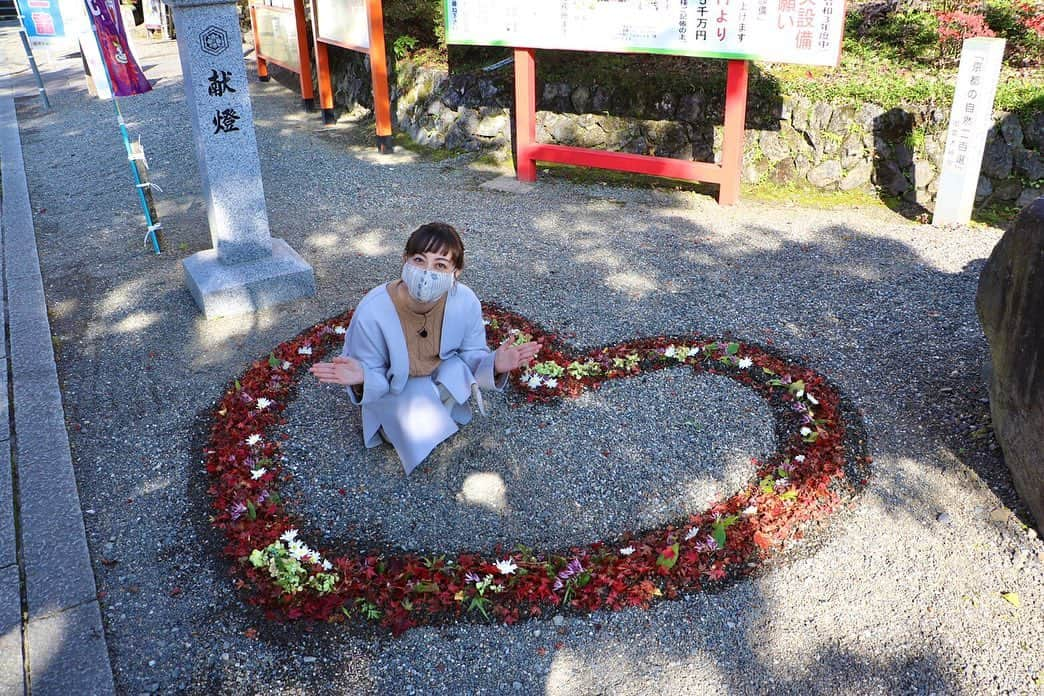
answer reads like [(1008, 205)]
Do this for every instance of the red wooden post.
[(304, 56), (525, 113), (379, 76), (262, 64), (732, 142)]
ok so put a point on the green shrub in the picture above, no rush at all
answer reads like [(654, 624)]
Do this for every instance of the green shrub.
[(1018, 21)]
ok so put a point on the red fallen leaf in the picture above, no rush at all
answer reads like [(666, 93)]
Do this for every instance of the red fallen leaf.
[(342, 491), (559, 645), (763, 540), (175, 592), (101, 594), (541, 651), (109, 562), (250, 632)]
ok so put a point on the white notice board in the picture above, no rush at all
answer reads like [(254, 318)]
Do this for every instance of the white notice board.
[(784, 31), (343, 23)]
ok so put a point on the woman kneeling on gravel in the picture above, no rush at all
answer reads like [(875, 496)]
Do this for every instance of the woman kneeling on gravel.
[(416, 352)]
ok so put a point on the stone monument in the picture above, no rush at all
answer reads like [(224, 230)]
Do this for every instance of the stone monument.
[(1010, 304), (247, 268)]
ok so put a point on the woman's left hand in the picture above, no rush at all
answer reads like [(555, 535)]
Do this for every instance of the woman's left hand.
[(509, 357)]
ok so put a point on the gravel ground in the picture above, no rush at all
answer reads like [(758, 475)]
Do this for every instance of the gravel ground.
[(901, 593)]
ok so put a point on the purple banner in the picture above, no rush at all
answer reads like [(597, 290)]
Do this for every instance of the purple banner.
[(126, 76)]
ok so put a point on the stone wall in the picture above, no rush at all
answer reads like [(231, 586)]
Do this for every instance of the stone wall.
[(789, 140)]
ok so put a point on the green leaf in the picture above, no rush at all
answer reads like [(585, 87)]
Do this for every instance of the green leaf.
[(767, 484), (718, 532), (251, 511), (789, 495), (732, 348), (238, 387), (1012, 598), (666, 560), (257, 558), (272, 361), (426, 587), (767, 371)]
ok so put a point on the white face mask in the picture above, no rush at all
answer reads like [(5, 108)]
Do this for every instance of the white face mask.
[(426, 286)]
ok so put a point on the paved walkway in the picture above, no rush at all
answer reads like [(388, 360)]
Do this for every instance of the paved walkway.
[(51, 635)]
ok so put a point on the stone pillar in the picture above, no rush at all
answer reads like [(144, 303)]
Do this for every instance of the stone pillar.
[(247, 268)]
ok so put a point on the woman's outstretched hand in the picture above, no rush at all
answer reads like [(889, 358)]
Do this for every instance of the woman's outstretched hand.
[(508, 357), (342, 370)]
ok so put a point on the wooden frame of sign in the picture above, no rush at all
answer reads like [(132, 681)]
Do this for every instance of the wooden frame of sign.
[(281, 37), (355, 25)]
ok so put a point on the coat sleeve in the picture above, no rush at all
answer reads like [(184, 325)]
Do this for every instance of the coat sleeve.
[(475, 352), (365, 342)]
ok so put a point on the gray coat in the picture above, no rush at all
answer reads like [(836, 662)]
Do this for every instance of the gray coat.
[(410, 410)]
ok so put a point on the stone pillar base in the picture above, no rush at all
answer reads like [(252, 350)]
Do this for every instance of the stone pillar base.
[(223, 290)]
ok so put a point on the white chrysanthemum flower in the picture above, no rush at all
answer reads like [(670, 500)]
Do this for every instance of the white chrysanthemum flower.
[(782, 483), (253, 440), (805, 431), (327, 565), (744, 363), (288, 536), (750, 510), (298, 550), (691, 533), (304, 350), (263, 403), (800, 393), (551, 383), (799, 458), (627, 551), (506, 567), (670, 351), (534, 381), (811, 399), (286, 365), (258, 473), (340, 330)]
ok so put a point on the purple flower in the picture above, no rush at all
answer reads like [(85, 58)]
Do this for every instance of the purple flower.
[(237, 510), (573, 568), (263, 497), (557, 586), (472, 578)]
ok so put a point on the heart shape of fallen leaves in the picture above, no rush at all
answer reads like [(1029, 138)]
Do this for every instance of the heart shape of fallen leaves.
[(819, 465)]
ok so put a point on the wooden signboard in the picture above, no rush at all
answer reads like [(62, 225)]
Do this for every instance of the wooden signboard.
[(281, 37), (799, 31), (356, 25)]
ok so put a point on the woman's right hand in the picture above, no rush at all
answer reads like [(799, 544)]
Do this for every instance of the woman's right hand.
[(342, 370)]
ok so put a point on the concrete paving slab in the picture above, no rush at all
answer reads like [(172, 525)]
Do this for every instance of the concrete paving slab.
[(5, 407), (54, 547), (68, 655), (12, 679), (7, 527), (39, 418)]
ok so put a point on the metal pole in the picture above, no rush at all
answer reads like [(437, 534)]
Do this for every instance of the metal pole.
[(152, 226), (32, 59)]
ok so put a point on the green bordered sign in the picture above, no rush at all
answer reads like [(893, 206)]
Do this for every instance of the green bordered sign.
[(807, 32)]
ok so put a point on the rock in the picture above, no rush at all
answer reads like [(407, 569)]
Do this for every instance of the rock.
[(669, 139), (1029, 195), (601, 100), (852, 151), (559, 620), (590, 131), (924, 173), (773, 147), (825, 174), (1029, 164), (1011, 130), (581, 99), (1007, 190), (944, 518), (1010, 306), (494, 126), (800, 112), (690, 108), (1033, 130), (821, 115), (867, 116), (858, 177), (563, 130), (996, 159), (983, 189)]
